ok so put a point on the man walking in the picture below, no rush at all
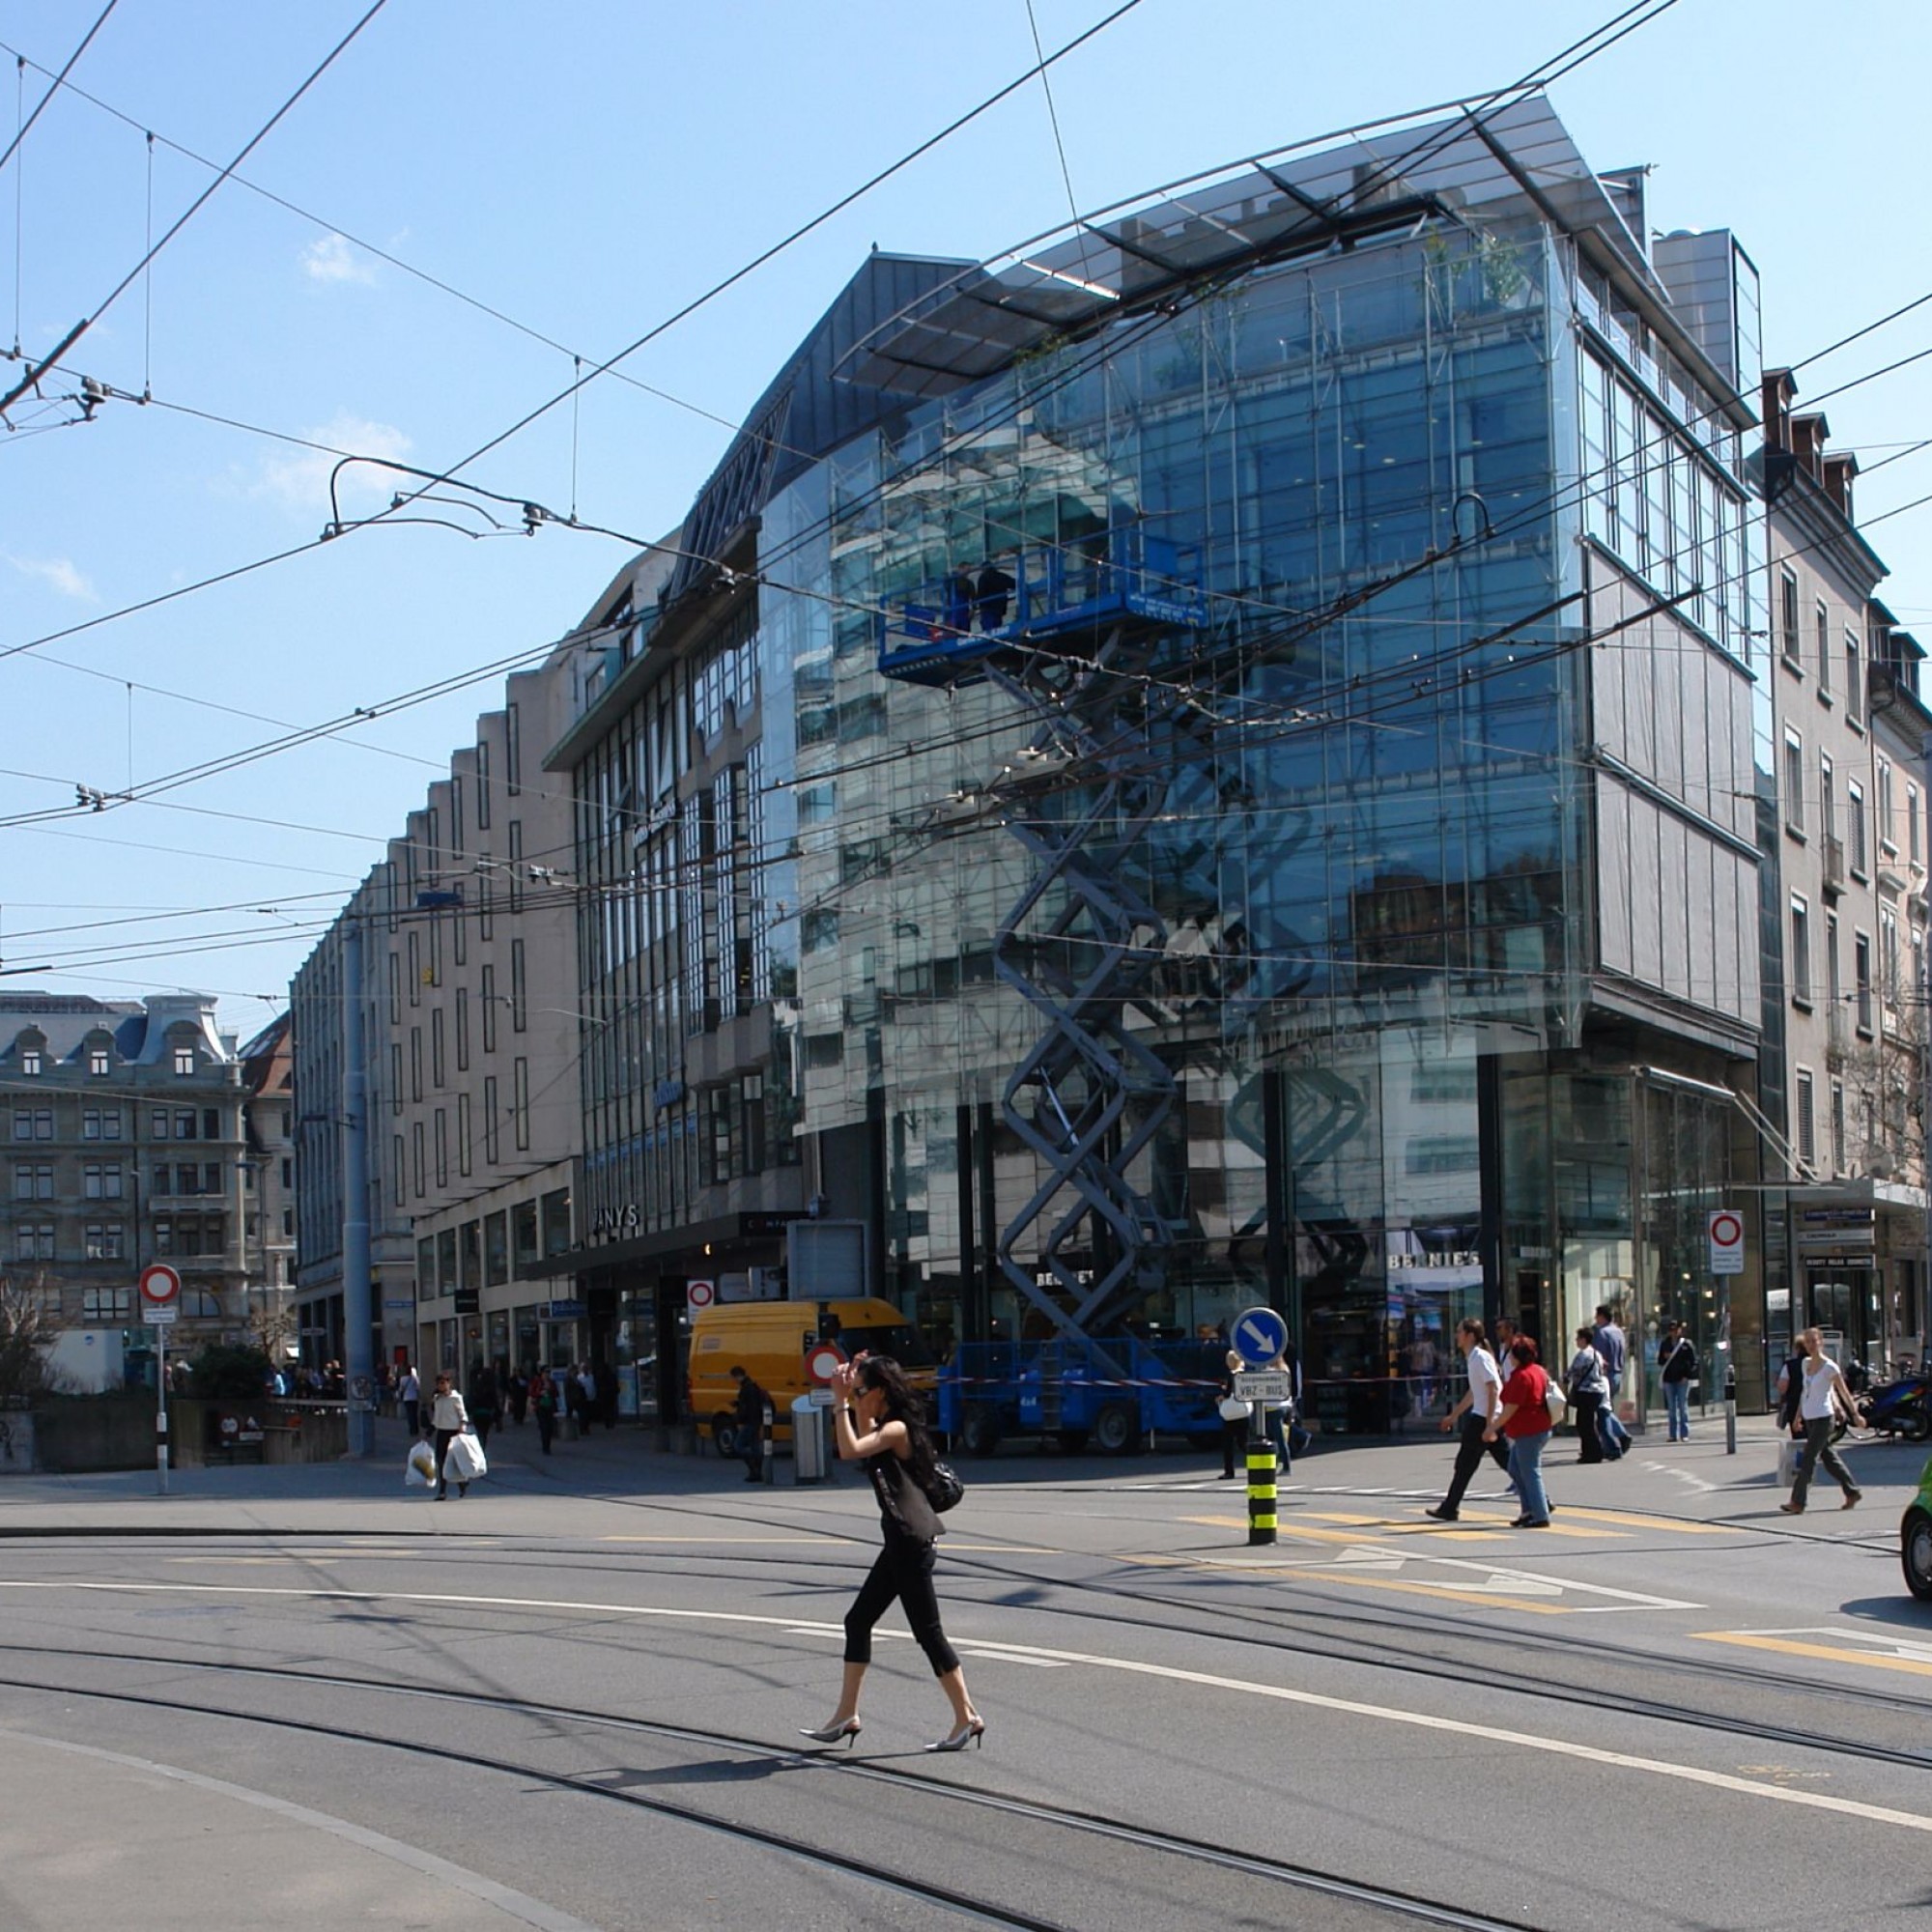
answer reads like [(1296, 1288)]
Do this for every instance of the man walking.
[(1474, 1413), (410, 1391), (750, 1409)]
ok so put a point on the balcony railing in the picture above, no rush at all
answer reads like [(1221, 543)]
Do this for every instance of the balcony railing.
[(1835, 864)]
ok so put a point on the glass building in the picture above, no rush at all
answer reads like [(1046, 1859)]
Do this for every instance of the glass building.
[(1217, 759)]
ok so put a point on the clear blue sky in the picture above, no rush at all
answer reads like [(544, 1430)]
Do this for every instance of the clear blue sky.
[(586, 167)]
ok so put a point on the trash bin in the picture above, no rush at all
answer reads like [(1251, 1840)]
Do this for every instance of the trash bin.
[(807, 1440)]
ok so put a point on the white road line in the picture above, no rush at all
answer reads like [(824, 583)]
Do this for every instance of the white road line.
[(990, 1649), (533, 1912)]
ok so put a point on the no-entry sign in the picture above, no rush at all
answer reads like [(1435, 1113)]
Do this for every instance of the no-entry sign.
[(1726, 1229), (822, 1361), (160, 1293)]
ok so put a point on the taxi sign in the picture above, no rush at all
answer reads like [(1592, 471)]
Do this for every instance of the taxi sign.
[(1259, 1336), (822, 1361), (160, 1286)]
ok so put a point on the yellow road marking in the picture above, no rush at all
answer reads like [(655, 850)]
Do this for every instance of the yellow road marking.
[(1301, 1534), (1832, 1653), (1443, 1592), (1553, 1529), (1664, 1522), (828, 1538)]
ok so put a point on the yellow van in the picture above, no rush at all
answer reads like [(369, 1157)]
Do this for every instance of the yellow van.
[(768, 1340)]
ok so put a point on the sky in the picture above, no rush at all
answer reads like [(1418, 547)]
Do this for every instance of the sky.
[(472, 194)]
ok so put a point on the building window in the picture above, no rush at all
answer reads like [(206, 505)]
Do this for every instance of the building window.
[(1888, 957), (1913, 848), (1794, 783), (1883, 808), (30, 1062), (463, 1029), (490, 1118), (1800, 950), (184, 1123), (488, 996), (97, 1061), (100, 1180), (714, 1135), (1806, 1124), (417, 1177), (524, 1234), (497, 1248), (1837, 1127), (440, 1140), (1855, 678), (1854, 814), (752, 1122), (106, 1304), (1861, 981), (520, 1102), (464, 1153), (557, 1222), (471, 1234), (183, 1062), (438, 1069), (1824, 620), (1787, 618), (33, 1181), (517, 1012), (105, 1241), (34, 1241)]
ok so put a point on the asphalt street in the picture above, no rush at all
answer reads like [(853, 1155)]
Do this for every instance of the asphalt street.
[(573, 1698)]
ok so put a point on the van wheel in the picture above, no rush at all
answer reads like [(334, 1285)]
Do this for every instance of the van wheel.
[(725, 1433), (1915, 1553), (1116, 1430), (979, 1431)]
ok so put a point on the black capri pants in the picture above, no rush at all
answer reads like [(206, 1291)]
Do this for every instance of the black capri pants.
[(903, 1569)]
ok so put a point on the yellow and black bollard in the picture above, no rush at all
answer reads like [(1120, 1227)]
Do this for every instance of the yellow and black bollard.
[(1261, 1479)]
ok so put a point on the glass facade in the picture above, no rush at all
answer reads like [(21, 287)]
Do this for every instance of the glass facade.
[(1310, 839)]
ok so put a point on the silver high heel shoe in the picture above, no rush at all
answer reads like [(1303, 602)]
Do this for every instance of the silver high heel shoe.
[(968, 1733), (833, 1734)]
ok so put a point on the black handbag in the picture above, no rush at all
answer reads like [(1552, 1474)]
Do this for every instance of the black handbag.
[(944, 1489)]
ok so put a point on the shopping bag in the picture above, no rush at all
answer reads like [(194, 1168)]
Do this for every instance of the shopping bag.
[(463, 1461), (1789, 1454), (421, 1469)]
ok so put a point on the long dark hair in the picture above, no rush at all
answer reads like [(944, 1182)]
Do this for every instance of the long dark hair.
[(902, 1404)]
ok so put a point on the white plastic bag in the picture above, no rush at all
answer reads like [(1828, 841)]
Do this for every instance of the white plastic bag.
[(420, 1470), (1790, 1452), (463, 1461)]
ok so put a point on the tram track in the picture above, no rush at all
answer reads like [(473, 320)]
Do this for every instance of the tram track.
[(1274, 1876)]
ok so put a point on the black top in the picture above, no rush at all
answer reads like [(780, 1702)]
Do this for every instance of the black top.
[(903, 1509)]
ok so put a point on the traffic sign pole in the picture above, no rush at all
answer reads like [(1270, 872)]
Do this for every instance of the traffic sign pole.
[(159, 1288), (161, 1407)]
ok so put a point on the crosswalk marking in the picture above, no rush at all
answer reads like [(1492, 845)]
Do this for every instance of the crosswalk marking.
[(1914, 1659)]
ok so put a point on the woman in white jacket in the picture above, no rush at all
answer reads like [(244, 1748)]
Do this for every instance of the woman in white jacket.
[(449, 1419)]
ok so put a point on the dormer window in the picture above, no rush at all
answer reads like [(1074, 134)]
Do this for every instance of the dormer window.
[(30, 1061), (184, 1061), (97, 1061)]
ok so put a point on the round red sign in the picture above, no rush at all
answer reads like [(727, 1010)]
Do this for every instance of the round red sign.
[(160, 1284), (822, 1362)]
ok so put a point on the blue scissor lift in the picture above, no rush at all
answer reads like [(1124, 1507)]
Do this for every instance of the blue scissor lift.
[(1081, 944)]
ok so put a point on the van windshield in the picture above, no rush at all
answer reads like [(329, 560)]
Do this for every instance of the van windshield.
[(903, 1343)]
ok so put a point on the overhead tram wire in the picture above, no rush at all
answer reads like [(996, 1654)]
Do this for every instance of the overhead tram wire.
[(121, 288), (798, 234), (54, 86), (1536, 78)]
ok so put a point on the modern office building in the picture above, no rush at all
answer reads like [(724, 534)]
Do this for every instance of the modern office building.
[(469, 1034), (1227, 756), (125, 1142)]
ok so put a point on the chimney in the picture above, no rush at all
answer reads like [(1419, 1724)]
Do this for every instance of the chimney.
[(1780, 392), (1840, 468)]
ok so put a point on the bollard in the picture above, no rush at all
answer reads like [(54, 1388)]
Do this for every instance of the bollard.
[(770, 1447), (1730, 1411), (1261, 1479)]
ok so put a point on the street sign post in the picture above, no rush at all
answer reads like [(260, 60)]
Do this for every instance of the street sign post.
[(822, 1361), (160, 1304), (1259, 1336), (1726, 1229)]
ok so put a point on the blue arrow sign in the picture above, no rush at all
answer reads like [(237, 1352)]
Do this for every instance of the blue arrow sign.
[(1260, 1336)]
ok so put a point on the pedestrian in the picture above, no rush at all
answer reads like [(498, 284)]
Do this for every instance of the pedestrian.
[(1823, 1397), (586, 1396), (750, 1409), (604, 1378), (1677, 1370), (485, 1403), (995, 590), (1473, 1413), (961, 594), (1608, 1339), (410, 1388), (1523, 1420), (517, 1387), (880, 1426), (1233, 1418), (1281, 1418), (1589, 1389), (449, 1419), (543, 1402)]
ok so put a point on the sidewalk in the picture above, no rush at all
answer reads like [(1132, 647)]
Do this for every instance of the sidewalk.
[(571, 1490)]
